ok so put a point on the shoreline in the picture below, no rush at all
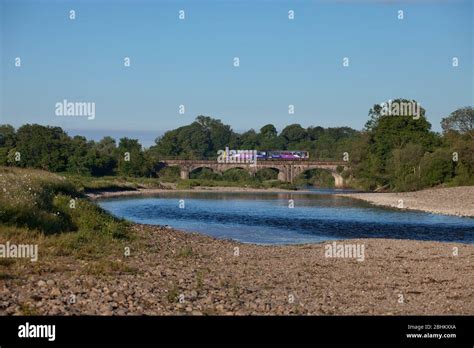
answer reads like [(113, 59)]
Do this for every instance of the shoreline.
[(454, 201), (94, 195)]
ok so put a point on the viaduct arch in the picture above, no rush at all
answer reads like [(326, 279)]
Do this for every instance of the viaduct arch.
[(287, 170)]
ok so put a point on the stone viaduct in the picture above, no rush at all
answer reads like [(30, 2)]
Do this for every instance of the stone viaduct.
[(288, 170)]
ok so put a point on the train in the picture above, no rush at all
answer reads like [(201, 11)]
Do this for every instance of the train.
[(283, 155), (265, 155)]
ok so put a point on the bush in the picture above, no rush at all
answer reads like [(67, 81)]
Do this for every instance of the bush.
[(267, 174), (236, 175), (436, 167), (169, 174), (205, 174)]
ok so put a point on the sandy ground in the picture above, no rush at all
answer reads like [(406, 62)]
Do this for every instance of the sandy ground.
[(170, 272), (449, 201)]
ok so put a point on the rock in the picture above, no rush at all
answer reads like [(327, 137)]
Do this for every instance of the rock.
[(41, 283), (55, 292), (50, 282)]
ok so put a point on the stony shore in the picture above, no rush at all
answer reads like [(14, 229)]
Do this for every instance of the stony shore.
[(457, 201), (170, 272)]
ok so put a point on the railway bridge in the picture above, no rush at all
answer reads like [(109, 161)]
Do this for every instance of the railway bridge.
[(288, 170)]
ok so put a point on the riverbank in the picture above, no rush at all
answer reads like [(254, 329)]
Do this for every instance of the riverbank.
[(90, 263), (170, 272), (98, 194), (457, 201)]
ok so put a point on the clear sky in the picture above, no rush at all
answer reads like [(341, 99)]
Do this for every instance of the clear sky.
[(190, 61)]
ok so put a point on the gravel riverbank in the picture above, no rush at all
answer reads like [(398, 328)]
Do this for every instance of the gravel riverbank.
[(457, 201), (169, 272)]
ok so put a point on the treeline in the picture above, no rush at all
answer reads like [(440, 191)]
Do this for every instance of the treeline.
[(50, 148), (397, 153), (401, 153), (205, 136)]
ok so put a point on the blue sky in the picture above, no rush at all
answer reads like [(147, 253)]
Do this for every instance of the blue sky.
[(190, 62)]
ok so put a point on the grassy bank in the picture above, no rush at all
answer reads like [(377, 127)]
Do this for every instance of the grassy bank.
[(123, 183), (84, 183), (46, 209)]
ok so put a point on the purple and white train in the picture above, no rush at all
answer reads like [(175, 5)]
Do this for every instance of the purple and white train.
[(282, 155)]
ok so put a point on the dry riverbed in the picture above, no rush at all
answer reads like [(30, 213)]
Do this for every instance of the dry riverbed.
[(449, 201), (170, 272)]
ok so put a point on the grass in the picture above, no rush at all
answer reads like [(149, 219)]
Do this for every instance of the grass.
[(51, 204), (27, 309), (110, 183), (102, 267), (38, 207), (187, 251), (173, 295)]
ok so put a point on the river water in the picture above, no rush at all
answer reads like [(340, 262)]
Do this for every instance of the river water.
[(266, 218)]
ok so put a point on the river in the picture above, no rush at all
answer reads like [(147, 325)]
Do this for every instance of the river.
[(267, 218)]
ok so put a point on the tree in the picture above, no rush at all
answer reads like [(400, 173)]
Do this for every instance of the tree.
[(387, 133), (461, 120), (249, 140), (437, 167), (404, 167), (78, 161), (293, 134), (268, 132), (7, 142), (43, 147), (131, 161), (199, 140)]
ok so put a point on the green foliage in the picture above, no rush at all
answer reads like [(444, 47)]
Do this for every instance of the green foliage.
[(204, 137), (315, 177), (267, 174), (201, 139), (42, 147), (205, 174), (393, 152), (460, 121), (169, 174), (236, 174), (131, 160), (402, 153), (436, 167), (404, 166), (49, 203), (7, 142)]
